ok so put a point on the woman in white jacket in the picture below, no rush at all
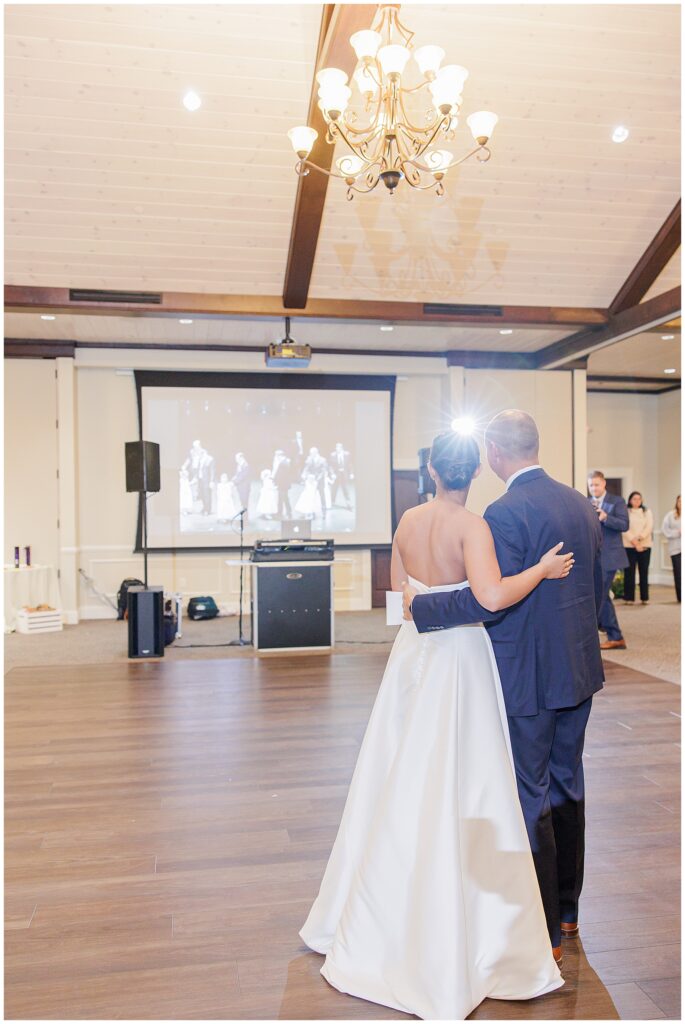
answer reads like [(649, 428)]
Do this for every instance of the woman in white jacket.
[(671, 530), (637, 541)]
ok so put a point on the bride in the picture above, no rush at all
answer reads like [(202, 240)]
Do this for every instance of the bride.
[(430, 902)]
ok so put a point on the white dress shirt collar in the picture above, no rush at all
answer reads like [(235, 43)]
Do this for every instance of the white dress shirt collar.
[(518, 473)]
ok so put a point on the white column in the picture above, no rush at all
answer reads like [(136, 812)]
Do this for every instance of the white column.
[(67, 493), (580, 430)]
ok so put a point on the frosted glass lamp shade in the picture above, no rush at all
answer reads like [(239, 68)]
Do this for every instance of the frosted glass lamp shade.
[(444, 95), (335, 97), (393, 59), (482, 125), (365, 43), (330, 77), (302, 139), (454, 73), (429, 59), (350, 166), (365, 82)]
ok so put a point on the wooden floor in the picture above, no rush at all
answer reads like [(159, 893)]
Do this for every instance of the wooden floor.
[(167, 825)]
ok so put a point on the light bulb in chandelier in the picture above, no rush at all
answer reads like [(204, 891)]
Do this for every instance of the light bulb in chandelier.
[(330, 77), (429, 59), (482, 125), (365, 44), (393, 59), (365, 82), (302, 139)]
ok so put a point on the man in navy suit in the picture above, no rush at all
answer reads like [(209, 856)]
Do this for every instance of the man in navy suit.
[(547, 652), (612, 513)]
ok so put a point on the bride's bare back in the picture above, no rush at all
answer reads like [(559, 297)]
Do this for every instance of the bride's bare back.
[(441, 542), (429, 543)]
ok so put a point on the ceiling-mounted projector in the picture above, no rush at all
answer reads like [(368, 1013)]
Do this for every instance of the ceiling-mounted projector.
[(287, 352)]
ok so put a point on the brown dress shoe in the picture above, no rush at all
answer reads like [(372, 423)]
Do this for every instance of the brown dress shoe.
[(613, 645), (556, 953), (569, 931)]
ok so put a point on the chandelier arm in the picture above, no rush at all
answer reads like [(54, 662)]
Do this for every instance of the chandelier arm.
[(415, 88), (455, 163), (402, 29), (445, 119), (407, 124), (302, 164), (374, 118)]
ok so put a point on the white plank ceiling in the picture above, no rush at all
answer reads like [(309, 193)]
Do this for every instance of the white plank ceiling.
[(110, 182)]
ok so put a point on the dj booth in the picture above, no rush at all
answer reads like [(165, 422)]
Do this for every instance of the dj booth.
[(292, 595)]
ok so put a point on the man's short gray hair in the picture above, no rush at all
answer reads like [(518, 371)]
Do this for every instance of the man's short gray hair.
[(515, 433)]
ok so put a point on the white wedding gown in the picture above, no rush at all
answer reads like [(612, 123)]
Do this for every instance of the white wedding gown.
[(430, 902)]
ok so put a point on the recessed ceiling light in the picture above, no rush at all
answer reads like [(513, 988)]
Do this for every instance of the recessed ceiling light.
[(506, 331), (185, 321), (667, 337), (387, 327), (191, 100), (47, 316), (620, 133), (671, 370)]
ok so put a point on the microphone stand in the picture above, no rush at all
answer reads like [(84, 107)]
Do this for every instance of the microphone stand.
[(241, 642)]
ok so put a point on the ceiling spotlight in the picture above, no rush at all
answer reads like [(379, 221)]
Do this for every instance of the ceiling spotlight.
[(667, 337), (47, 316), (620, 134), (464, 425), (671, 370), (185, 321), (387, 327), (191, 100), (506, 330)]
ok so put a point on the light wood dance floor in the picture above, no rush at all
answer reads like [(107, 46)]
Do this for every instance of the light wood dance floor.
[(167, 825)]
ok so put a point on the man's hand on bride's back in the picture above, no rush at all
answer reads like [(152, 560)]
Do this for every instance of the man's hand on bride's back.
[(557, 566), (408, 595)]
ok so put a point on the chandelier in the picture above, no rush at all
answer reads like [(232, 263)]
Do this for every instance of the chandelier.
[(384, 145)]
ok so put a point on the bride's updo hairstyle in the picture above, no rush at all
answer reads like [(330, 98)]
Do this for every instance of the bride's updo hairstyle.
[(455, 459)]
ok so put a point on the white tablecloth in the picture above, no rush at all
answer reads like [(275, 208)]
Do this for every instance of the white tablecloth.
[(37, 584)]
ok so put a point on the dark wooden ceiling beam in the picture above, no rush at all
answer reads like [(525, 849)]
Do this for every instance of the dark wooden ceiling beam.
[(338, 23), (631, 321), (651, 263), (32, 299)]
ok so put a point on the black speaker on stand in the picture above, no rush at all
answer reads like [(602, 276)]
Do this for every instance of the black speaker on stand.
[(145, 604)]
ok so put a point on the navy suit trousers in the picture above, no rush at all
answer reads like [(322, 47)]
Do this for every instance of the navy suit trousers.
[(607, 614), (548, 752)]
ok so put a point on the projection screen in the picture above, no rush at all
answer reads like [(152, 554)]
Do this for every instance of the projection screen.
[(306, 454)]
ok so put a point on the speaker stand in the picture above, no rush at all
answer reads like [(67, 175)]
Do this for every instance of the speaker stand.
[(241, 641), (143, 495)]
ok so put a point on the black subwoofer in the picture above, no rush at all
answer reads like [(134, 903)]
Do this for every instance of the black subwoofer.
[(293, 606), (145, 622)]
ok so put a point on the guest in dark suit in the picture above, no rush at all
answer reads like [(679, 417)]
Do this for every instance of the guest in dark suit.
[(612, 513), (547, 652)]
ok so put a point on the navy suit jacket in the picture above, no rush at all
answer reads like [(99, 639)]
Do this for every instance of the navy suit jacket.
[(546, 646), (617, 522)]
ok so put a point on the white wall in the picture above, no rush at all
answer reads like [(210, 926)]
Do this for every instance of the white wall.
[(547, 396), (31, 505), (637, 437)]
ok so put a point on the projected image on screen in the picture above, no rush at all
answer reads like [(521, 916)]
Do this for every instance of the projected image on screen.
[(298, 462)]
